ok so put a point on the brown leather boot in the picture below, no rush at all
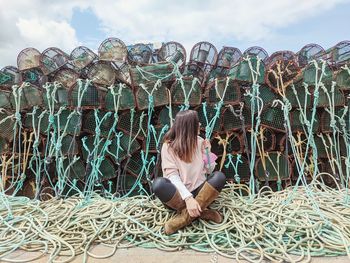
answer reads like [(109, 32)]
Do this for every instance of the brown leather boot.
[(204, 198), (176, 202), (211, 215)]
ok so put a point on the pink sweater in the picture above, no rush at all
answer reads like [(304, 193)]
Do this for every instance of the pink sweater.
[(191, 174)]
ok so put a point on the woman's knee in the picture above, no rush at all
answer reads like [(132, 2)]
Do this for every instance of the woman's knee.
[(159, 184), (218, 180)]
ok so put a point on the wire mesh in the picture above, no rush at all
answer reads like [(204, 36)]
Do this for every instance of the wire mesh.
[(343, 79), (165, 115), (34, 76), (58, 96), (124, 145), (195, 71), (52, 59), (33, 117), (210, 111), (134, 166), (302, 94), (159, 95), (81, 57), (189, 88), (74, 170), (233, 141), (140, 54), (113, 49), (173, 52), (242, 72), (104, 122), (69, 145), (126, 99), (337, 99), (274, 166), (131, 125), (67, 77), (339, 54), (204, 53), (152, 145), (28, 58), (90, 98), (9, 76), (101, 73), (308, 53), (267, 96), (5, 99), (298, 122), (232, 94), (233, 122), (327, 123), (69, 121), (311, 74), (273, 118), (256, 51), (265, 140), (107, 170), (242, 171), (4, 146), (6, 126), (28, 97)]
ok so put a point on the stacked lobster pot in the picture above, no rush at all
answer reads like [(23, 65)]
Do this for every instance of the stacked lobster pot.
[(84, 122)]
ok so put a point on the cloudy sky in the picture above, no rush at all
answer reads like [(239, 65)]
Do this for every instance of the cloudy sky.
[(272, 24)]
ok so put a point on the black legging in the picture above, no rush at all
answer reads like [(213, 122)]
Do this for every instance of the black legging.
[(164, 189)]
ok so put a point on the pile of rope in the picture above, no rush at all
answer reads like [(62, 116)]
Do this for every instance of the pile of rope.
[(290, 225)]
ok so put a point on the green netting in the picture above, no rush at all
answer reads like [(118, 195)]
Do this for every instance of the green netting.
[(34, 116), (82, 57), (6, 126), (160, 96), (129, 181), (60, 96), (234, 144), (343, 79), (124, 144), (273, 117), (75, 170), (69, 119), (34, 76), (151, 73), (301, 95), (281, 73), (214, 92), (69, 145), (266, 141), (310, 71), (163, 116), (190, 90), (30, 96), (152, 146), (211, 111), (131, 125), (323, 100), (4, 147), (338, 113), (277, 167), (6, 79), (102, 73), (241, 71), (309, 168), (67, 77), (231, 121), (242, 172), (134, 166), (5, 99), (90, 98), (126, 100), (298, 122), (89, 143), (107, 170), (267, 96), (112, 49), (106, 120)]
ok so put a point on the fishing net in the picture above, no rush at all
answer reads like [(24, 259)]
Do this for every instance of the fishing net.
[(242, 71), (159, 95), (273, 166), (7, 124), (28, 58), (104, 122), (89, 146), (52, 59), (126, 98), (281, 72), (233, 121), (165, 115), (56, 95), (227, 58), (107, 170), (339, 54), (101, 73), (125, 143), (67, 77), (224, 89), (210, 112), (149, 74), (134, 168), (81, 57), (34, 76), (233, 143), (172, 52), (156, 135), (88, 93), (186, 90), (37, 119), (129, 123), (69, 122), (204, 54), (27, 96), (313, 73), (75, 170), (301, 95), (9, 76), (267, 96), (326, 98), (113, 49), (237, 171), (5, 99), (299, 119), (343, 78), (256, 52), (69, 146), (341, 117), (123, 73), (4, 146), (273, 118), (139, 54), (265, 141), (308, 53)]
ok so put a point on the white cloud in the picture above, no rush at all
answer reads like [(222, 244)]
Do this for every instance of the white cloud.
[(41, 23)]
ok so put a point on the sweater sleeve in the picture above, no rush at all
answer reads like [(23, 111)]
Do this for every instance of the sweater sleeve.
[(168, 162)]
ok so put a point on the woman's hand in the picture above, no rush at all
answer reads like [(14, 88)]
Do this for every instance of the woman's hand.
[(193, 207), (206, 145)]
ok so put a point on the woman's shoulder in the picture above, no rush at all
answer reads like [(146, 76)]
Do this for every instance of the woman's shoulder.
[(200, 139)]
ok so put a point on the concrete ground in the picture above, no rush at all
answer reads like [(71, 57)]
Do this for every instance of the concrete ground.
[(143, 255)]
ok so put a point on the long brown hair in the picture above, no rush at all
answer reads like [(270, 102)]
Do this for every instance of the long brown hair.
[(182, 136)]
